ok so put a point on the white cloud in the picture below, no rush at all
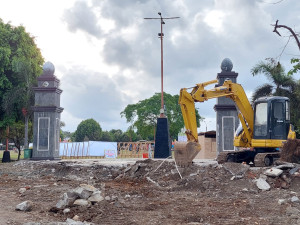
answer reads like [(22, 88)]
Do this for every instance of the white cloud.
[(107, 56)]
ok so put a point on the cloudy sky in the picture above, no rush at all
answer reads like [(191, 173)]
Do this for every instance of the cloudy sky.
[(107, 56)]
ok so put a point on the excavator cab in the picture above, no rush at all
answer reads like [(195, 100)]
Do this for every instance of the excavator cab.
[(271, 121)]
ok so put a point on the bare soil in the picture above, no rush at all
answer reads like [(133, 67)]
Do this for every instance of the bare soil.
[(148, 192)]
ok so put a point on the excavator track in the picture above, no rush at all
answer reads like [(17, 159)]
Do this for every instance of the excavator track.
[(265, 159)]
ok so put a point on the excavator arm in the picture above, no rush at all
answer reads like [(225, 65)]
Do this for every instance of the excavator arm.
[(184, 153)]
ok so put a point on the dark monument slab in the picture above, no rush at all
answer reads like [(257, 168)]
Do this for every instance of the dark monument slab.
[(47, 110), (162, 139), (6, 156)]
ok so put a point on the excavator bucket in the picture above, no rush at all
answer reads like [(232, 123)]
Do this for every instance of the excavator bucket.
[(185, 152)]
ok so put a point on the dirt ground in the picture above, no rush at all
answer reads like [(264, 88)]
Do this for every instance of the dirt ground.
[(148, 192)]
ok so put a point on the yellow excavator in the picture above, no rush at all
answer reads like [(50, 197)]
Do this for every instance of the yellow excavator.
[(265, 125)]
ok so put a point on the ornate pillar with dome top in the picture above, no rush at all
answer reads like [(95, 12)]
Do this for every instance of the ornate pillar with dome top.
[(47, 110), (227, 116)]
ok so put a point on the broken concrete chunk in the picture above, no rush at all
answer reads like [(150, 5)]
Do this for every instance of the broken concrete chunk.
[(24, 206), (67, 210), (295, 199), (96, 197), (82, 193), (88, 187), (262, 184), (74, 222), (273, 172), (282, 201), (82, 202), (285, 166), (67, 200), (294, 170), (22, 190), (262, 176), (236, 169)]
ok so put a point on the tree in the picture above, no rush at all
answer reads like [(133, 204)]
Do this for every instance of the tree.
[(143, 115), (106, 136), (281, 84), (16, 134), (88, 129), (20, 64)]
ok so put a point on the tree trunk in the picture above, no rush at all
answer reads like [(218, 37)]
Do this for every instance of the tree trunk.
[(19, 153), (26, 132)]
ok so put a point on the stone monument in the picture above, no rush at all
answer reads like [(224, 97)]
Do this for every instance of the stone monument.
[(227, 116), (47, 110)]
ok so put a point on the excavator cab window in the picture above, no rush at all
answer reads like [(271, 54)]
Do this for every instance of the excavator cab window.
[(261, 120), (271, 118)]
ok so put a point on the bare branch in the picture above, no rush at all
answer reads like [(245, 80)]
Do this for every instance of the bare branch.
[(289, 29), (283, 48)]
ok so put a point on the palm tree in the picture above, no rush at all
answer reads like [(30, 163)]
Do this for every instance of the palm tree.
[(281, 83)]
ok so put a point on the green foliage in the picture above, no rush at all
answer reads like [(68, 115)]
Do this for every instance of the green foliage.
[(143, 115), (296, 67), (120, 136), (281, 83), (20, 64), (88, 129), (16, 134), (106, 136)]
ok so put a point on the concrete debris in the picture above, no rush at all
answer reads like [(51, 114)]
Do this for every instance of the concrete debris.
[(96, 197), (263, 176), (24, 206), (285, 166), (107, 198), (67, 200), (66, 210), (82, 193), (89, 187), (236, 169), (282, 201), (22, 190), (82, 202), (273, 172), (294, 170), (295, 199), (262, 184), (74, 222)]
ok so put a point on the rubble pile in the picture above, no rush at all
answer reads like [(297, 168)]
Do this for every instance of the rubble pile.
[(151, 191), (290, 151)]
